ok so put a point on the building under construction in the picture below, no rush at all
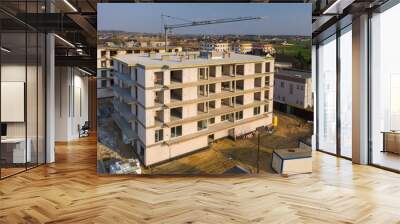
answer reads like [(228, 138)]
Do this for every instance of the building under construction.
[(168, 105)]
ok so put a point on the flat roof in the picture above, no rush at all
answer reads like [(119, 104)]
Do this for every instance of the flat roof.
[(174, 60), (293, 73), (102, 47)]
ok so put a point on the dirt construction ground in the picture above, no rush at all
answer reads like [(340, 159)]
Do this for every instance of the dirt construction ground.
[(226, 153), (221, 156)]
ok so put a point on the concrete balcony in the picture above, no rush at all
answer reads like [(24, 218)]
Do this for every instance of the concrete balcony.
[(124, 110), (176, 95), (176, 114), (223, 78), (227, 102), (158, 123), (227, 87), (257, 96), (128, 135), (217, 112), (216, 96), (125, 78), (215, 128), (125, 93)]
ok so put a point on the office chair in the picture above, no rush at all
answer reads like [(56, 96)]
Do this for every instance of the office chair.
[(84, 130)]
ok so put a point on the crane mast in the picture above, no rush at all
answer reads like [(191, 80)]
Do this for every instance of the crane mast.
[(202, 23)]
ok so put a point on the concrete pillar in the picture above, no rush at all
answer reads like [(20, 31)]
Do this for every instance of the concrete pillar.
[(50, 98), (360, 90)]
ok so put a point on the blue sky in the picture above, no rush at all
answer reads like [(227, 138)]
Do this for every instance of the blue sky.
[(280, 19)]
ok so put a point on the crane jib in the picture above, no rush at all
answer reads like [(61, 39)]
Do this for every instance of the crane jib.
[(200, 23)]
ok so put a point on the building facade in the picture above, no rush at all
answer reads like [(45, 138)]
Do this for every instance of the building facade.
[(243, 48), (215, 46), (263, 48), (171, 105), (105, 80), (293, 88)]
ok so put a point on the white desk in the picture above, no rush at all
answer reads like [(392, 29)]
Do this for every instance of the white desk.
[(18, 150)]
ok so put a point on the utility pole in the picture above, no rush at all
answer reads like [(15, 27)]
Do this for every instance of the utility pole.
[(166, 39), (258, 152)]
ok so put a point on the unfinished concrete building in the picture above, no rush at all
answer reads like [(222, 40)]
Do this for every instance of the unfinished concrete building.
[(169, 105), (105, 80)]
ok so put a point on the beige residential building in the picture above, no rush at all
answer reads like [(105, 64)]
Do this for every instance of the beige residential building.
[(263, 48), (293, 88), (171, 105), (215, 46), (254, 48), (154, 43), (105, 79), (243, 48)]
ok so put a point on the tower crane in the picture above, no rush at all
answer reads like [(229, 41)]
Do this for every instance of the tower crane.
[(189, 23)]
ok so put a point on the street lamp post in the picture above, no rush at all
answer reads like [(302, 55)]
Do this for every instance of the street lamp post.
[(258, 152)]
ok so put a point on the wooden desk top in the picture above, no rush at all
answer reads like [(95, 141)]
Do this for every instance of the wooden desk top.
[(391, 132), (13, 140)]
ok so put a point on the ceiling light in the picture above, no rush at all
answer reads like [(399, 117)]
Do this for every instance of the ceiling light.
[(337, 7), (79, 51), (70, 5), (64, 40), (5, 50), (334, 5), (86, 72)]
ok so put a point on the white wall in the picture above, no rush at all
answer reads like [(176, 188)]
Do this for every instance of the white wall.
[(71, 102)]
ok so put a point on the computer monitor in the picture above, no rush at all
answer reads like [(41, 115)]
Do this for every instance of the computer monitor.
[(3, 129)]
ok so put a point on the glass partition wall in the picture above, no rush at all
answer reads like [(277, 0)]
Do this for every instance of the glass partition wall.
[(326, 98), (385, 89), (345, 91), (22, 77), (334, 94), (334, 105)]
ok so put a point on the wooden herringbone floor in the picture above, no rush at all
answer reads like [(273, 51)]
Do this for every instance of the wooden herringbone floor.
[(70, 191)]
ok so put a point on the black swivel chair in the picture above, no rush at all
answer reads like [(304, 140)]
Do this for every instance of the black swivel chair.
[(84, 130)]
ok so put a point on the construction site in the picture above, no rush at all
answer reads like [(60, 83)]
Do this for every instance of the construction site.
[(192, 112), (225, 154)]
